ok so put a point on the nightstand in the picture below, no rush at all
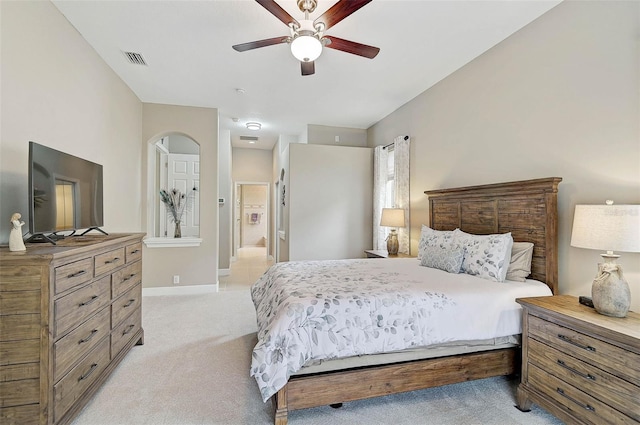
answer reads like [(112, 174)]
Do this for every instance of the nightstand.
[(580, 365), (379, 253)]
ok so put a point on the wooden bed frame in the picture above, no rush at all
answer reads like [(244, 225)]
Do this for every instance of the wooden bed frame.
[(527, 209)]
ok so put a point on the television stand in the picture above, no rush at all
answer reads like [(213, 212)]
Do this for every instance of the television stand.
[(42, 238), (93, 228)]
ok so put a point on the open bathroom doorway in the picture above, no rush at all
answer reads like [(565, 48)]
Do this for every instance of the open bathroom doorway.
[(251, 233)]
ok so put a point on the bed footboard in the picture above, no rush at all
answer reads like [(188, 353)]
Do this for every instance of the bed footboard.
[(356, 384)]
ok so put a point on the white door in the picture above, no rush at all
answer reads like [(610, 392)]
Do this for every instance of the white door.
[(183, 173)]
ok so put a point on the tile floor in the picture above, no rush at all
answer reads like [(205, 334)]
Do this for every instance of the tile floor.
[(250, 264)]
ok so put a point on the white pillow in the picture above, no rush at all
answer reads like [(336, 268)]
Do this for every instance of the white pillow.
[(431, 237), (445, 258), (485, 256), (520, 264)]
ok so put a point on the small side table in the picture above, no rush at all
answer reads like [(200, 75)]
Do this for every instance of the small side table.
[(581, 366), (380, 253)]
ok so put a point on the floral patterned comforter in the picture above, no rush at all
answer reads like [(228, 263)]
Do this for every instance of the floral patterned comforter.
[(313, 310)]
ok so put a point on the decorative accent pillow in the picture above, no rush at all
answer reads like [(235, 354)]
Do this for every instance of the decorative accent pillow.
[(485, 256), (520, 265), (447, 258), (431, 237)]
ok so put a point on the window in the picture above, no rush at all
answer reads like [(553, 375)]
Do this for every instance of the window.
[(390, 185)]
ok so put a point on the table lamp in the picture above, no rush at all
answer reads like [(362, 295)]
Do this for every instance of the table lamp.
[(392, 217), (612, 228)]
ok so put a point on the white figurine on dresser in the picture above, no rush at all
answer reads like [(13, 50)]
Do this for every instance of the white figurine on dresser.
[(15, 237)]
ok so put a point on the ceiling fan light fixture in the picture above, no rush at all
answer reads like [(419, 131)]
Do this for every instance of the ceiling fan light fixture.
[(255, 126), (306, 48)]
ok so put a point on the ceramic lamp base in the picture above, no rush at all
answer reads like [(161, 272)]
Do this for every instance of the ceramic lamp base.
[(610, 291), (392, 243)]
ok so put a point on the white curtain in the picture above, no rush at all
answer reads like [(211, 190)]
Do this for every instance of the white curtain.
[(401, 171), (401, 179), (379, 195)]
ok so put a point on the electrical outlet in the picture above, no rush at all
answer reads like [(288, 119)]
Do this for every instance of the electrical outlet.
[(176, 279)]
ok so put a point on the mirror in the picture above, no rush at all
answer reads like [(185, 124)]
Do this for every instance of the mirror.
[(177, 171)]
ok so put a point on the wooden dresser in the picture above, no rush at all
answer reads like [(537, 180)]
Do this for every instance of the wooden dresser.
[(68, 315), (581, 366)]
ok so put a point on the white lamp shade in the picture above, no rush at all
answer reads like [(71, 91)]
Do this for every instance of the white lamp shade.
[(306, 48), (607, 227), (392, 217)]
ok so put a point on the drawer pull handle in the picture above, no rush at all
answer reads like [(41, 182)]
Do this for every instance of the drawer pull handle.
[(128, 277), (577, 372), (129, 329), (584, 406), (129, 303), (93, 298), (112, 261), (76, 274), (572, 342), (135, 251), (89, 372), (87, 339)]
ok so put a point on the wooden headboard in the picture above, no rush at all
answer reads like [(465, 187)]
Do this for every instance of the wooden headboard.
[(528, 209)]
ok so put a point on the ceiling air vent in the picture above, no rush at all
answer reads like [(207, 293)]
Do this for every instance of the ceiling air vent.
[(135, 58), (249, 138)]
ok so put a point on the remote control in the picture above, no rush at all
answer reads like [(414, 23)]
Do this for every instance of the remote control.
[(586, 301)]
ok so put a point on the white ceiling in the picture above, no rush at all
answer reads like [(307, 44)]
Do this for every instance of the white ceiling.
[(187, 46)]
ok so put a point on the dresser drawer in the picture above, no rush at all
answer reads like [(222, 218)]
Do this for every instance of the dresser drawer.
[(68, 350), (73, 274), (578, 403), (125, 278), (133, 252), (608, 357), (603, 386), (109, 261), (74, 384), (123, 333), (77, 306), (126, 304)]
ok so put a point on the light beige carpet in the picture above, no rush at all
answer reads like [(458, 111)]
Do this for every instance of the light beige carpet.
[(194, 369)]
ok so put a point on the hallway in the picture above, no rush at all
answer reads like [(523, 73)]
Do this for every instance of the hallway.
[(250, 264)]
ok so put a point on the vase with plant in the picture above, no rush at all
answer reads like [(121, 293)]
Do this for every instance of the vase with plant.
[(177, 203)]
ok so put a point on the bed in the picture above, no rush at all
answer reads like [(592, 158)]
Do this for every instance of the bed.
[(357, 369)]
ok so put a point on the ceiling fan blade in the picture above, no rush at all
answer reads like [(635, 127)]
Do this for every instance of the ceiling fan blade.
[(260, 43), (339, 11), (278, 11), (308, 68), (352, 47)]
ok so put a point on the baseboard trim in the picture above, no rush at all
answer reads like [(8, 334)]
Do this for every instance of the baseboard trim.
[(224, 272), (180, 290)]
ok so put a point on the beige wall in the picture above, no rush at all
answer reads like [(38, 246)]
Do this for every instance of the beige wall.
[(329, 202), (326, 135), (194, 265), (225, 190), (282, 226), (58, 92), (252, 165), (558, 98)]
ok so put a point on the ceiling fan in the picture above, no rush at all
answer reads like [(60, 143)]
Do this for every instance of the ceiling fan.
[(307, 37)]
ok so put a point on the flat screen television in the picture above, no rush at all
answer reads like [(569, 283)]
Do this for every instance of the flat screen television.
[(65, 194)]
